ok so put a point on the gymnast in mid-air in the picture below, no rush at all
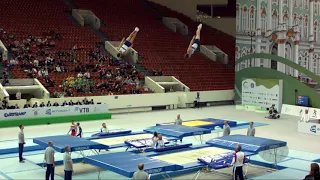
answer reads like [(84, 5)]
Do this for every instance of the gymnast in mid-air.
[(194, 43), (126, 44)]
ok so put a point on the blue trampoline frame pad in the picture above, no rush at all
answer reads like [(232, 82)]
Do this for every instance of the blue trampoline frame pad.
[(177, 131), (248, 143), (126, 163), (75, 143), (213, 125)]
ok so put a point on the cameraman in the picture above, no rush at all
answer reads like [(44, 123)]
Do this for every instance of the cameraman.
[(273, 113)]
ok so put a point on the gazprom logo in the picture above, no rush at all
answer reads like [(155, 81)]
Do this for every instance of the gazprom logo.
[(313, 128), (14, 114)]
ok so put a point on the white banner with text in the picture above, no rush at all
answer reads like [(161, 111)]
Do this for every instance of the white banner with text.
[(53, 111)]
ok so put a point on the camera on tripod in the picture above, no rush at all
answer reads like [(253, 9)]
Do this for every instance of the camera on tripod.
[(273, 113)]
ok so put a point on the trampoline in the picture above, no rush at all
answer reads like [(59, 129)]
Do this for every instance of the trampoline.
[(248, 143), (178, 131), (208, 123), (126, 163), (75, 143)]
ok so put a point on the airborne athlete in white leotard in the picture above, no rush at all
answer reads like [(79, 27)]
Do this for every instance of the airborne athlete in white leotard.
[(127, 43), (194, 44)]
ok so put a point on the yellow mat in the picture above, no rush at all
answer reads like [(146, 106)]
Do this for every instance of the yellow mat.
[(121, 139), (196, 123), (190, 156)]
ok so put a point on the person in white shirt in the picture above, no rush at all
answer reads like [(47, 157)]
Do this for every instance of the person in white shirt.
[(126, 44), (49, 159), (104, 128), (160, 141), (87, 75), (21, 143), (58, 69), (178, 121), (18, 95), (194, 44), (141, 174), (237, 163), (36, 63), (67, 164), (80, 75), (226, 129)]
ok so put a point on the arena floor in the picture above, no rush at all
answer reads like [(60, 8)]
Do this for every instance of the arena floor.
[(303, 147)]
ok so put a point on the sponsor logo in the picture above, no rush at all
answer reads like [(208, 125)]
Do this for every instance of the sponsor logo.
[(10, 114), (81, 148), (314, 129), (153, 171), (52, 111), (84, 110), (35, 112), (48, 111), (245, 85)]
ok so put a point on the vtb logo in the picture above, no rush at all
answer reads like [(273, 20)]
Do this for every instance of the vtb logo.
[(84, 110)]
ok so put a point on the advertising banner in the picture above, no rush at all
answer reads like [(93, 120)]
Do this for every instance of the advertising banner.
[(262, 92), (52, 111)]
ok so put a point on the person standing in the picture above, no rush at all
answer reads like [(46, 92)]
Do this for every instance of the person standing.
[(314, 173), (178, 121), (79, 130), (226, 129), (67, 163), (251, 130), (49, 158), (237, 162), (141, 174), (21, 143)]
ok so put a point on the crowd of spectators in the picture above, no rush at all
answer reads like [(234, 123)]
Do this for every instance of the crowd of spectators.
[(99, 73), (113, 75), (85, 101)]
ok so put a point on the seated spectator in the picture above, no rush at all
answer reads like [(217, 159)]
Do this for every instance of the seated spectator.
[(78, 103), (80, 75), (87, 75), (16, 106), (5, 103), (36, 63), (26, 106), (171, 89), (110, 93), (314, 173), (70, 103), (64, 103), (42, 104), (18, 95), (103, 93), (91, 101), (55, 104), (85, 101), (49, 104), (52, 43), (35, 105)]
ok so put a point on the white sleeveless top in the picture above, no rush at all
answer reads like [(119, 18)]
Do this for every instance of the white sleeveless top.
[(123, 48)]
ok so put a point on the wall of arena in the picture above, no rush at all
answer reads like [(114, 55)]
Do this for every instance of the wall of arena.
[(189, 8)]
